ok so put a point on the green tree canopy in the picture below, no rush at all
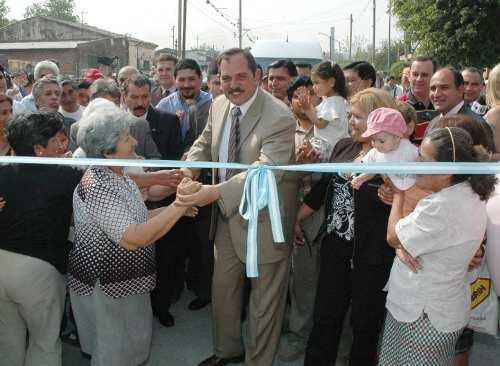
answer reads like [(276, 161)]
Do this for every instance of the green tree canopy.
[(62, 9), (459, 33), (397, 69), (4, 10)]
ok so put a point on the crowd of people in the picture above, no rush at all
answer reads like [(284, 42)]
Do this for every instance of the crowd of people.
[(108, 248)]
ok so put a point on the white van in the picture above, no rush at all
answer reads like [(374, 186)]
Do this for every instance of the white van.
[(266, 52)]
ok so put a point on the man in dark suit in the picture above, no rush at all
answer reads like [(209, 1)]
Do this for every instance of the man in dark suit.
[(447, 96), (165, 127), (166, 132)]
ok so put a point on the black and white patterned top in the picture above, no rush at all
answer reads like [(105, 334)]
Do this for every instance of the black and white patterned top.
[(339, 208), (104, 205)]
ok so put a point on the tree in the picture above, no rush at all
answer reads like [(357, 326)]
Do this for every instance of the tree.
[(4, 10), (397, 69), (62, 9), (459, 33)]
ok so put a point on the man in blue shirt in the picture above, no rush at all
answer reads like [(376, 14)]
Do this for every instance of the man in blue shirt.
[(189, 99), (189, 238)]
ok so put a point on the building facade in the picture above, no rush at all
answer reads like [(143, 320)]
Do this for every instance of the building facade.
[(74, 46)]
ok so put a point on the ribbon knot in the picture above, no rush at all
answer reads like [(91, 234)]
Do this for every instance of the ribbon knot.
[(260, 191)]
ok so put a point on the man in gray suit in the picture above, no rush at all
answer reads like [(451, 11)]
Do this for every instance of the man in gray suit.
[(246, 125)]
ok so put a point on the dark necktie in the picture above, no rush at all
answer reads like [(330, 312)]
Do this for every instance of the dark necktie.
[(234, 140)]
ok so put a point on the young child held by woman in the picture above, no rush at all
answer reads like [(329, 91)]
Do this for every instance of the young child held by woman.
[(386, 128), (330, 116)]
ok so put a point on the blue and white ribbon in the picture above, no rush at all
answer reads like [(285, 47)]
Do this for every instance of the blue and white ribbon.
[(260, 190)]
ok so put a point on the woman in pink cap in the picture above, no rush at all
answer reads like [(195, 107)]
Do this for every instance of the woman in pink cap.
[(386, 128)]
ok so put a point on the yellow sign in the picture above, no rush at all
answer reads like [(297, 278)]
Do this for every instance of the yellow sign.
[(480, 290)]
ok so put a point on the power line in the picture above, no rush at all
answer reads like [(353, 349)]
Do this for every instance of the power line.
[(221, 13), (226, 27)]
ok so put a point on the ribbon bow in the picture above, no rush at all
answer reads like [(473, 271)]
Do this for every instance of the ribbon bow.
[(260, 190)]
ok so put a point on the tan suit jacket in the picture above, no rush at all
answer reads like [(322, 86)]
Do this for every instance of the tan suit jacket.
[(266, 137)]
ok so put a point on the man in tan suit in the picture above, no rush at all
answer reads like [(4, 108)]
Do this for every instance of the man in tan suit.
[(246, 125)]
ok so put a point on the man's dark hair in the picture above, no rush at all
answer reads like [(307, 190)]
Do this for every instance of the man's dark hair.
[(287, 64), (303, 65), (364, 70), (29, 129), (428, 58), (163, 57), (327, 70), (69, 82), (84, 84), (297, 83), (238, 51), (187, 64), (458, 79), (213, 69), (475, 70), (138, 81)]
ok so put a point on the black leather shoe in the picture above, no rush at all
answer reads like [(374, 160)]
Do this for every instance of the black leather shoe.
[(167, 320), (198, 303), (217, 361)]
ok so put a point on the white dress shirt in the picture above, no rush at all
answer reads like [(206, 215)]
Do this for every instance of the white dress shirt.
[(443, 232), (224, 142), (454, 110)]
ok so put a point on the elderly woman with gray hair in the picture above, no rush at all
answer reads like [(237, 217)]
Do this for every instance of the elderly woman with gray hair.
[(47, 94), (112, 264)]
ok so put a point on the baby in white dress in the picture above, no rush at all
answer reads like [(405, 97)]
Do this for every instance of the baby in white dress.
[(386, 128)]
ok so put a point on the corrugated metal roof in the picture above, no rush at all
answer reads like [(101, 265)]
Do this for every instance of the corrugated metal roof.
[(40, 45)]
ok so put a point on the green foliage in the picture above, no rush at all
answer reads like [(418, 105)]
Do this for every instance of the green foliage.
[(62, 9), (4, 10), (459, 33), (397, 68)]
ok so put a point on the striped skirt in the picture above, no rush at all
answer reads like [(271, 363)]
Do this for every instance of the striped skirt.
[(416, 344)]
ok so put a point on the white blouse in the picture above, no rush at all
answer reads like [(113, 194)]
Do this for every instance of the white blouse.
[(493, 234), (443, 232), (334, 111)]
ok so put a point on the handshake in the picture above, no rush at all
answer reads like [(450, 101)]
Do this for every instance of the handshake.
[(189, 192)]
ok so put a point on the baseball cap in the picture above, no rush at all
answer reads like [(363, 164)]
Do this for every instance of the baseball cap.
[(385, 120)]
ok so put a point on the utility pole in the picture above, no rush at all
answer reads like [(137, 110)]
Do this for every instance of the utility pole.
[(240, 29), (373, 40), (184, 16), (173, 37), (197, 42), (179, 30), (350, 40), (332, 42), (389, 48)]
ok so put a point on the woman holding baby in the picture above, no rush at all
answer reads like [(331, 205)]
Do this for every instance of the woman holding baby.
[(355, 257)]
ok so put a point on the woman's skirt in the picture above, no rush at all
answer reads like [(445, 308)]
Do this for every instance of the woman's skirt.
[(114, 331), (417, 344)]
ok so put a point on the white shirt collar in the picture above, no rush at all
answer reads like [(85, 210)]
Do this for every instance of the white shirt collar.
[(245, 106), (454, 110), (144, 116)]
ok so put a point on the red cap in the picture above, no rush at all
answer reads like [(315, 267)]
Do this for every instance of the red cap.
[(385, 120), (92, 75)]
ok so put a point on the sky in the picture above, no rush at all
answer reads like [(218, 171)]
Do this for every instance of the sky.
[(152, 20)]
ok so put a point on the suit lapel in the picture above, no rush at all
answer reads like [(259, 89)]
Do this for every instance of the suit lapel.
[(251, 118), (218, 123)]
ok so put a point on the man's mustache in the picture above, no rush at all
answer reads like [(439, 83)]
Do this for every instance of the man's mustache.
[(236, 90)]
